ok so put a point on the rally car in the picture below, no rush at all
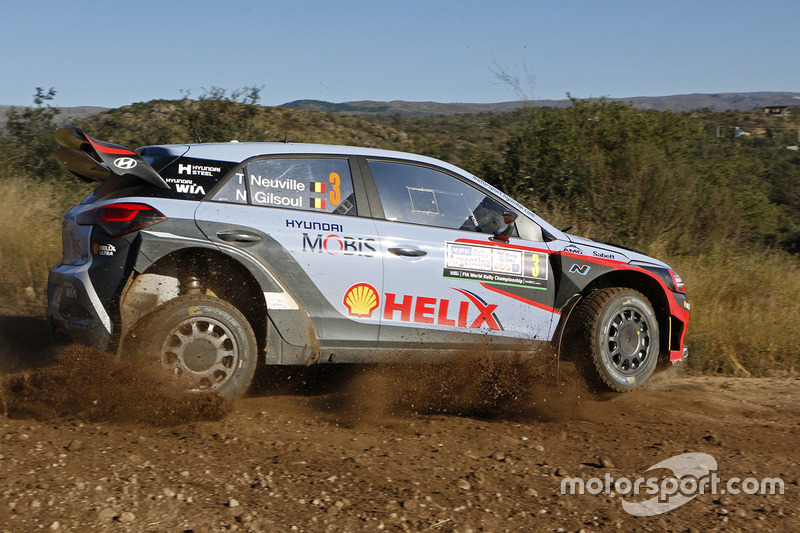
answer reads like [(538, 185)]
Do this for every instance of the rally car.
[(219, 257)]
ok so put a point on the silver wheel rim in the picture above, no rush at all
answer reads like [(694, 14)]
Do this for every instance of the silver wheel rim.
[(203, 351), (629, 346)]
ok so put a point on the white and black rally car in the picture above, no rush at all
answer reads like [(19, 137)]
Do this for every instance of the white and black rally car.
[(221, 257)]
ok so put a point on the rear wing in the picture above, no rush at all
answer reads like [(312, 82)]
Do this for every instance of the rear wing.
[(93, 160)]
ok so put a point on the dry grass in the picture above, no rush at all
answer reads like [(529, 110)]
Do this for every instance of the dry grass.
[(30, 237), (745, 310)]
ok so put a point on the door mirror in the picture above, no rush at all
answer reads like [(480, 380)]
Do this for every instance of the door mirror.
[(508, 218)]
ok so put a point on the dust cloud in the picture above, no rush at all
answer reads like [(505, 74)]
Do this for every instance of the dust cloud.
[(95, 386), (467, 386), (53, 380)]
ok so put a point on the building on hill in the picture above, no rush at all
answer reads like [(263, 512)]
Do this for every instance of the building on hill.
[(780, 110)]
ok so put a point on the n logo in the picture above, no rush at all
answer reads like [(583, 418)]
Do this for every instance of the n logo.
[(580, 269)]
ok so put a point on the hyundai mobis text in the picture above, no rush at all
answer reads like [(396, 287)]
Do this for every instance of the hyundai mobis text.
[(217, 258)]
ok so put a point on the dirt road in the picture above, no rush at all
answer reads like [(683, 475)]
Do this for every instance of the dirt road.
[(91, 444)]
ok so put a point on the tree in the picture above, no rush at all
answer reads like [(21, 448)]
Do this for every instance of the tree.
[(641, 177), (219, 116), (29, 137)]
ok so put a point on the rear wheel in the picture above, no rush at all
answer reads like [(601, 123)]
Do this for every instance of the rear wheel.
[(203, 340), (617, 339)]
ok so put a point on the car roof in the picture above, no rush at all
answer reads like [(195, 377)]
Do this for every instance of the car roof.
[(239, 151)]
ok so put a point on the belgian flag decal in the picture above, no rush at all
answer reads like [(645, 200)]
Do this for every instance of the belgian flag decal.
[(317, 203), (317, 186)]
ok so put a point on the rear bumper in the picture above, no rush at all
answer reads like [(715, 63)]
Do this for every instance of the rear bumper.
[(74, 306)]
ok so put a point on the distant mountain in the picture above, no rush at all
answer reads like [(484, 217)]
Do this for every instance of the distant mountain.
[(716, 102), (369, 108), (677, 103), (67, 113)]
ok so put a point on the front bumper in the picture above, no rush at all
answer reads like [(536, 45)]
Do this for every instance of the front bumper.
[(684, 357), (678, 322), (74, 306)]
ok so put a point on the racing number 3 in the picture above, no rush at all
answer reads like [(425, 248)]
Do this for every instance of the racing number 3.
[(335, 195), (535, 268)]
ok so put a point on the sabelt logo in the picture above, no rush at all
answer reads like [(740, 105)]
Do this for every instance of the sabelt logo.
[(334, 244), (361, 300)]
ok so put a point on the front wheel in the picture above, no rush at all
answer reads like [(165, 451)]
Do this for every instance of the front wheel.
[(617, 338), (203, 340)]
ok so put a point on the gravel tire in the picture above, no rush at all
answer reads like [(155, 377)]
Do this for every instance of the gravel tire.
[(203, 340), (617, 339)]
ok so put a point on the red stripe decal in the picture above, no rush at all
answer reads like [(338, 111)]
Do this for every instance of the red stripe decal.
[(503, 245), (108, 150), (521, 299)]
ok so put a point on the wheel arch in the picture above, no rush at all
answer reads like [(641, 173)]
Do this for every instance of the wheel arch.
[(636, 280), (198, 270)]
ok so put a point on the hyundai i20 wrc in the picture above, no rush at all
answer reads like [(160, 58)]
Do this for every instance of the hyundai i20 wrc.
[(216, 258)]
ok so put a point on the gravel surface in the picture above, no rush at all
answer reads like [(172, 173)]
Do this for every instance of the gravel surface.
[(90, 443)]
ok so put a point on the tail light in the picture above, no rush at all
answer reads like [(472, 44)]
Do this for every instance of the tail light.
[(120, 219)]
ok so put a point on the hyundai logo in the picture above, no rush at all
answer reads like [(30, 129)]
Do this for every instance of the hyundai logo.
[(125, 163)]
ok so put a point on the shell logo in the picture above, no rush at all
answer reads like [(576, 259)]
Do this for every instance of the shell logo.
[(361, 300)]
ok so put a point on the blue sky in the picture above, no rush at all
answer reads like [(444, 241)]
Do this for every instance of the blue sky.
[(116, 53)]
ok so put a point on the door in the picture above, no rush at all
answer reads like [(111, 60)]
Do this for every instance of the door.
[(447, 281), (297, 216)]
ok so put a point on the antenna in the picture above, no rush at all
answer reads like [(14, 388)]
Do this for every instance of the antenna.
[(286, 130), (197, 134)]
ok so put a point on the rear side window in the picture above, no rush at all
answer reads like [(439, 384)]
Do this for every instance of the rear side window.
[(233, 191), (310, 184)]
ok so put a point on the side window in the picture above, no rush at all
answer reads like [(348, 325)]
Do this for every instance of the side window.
[(421, 195), (233, 191), (302, 183)]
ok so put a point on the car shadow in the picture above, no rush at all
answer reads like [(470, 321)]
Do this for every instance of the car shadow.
[(304, 380), (477, 388)]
